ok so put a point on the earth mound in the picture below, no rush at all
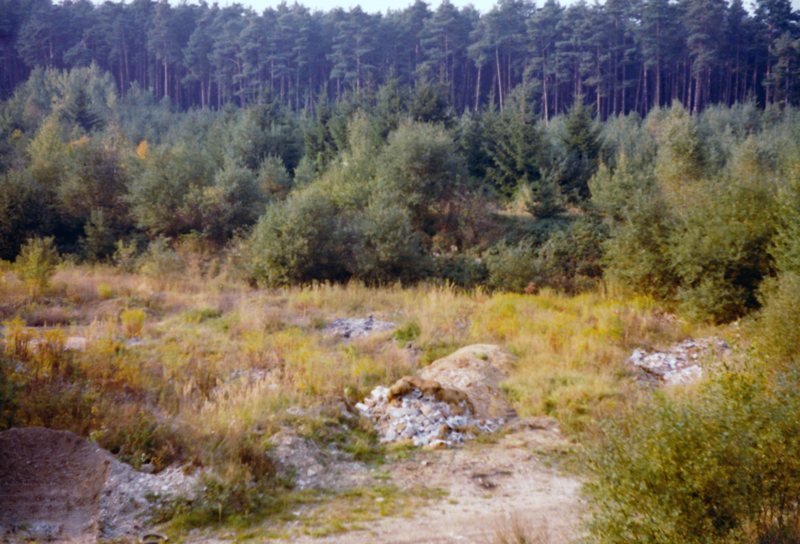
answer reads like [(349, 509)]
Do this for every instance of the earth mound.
[(476, 370), (51, 484)]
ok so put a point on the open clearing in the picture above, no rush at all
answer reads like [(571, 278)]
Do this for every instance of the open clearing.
[(488, 489)]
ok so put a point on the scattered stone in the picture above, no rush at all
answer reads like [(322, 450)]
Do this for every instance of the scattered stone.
[(314, 467), (538, 423), (131, 497), (76, 343), (357, 328), (680, 364), (73, 343), (409, 414)]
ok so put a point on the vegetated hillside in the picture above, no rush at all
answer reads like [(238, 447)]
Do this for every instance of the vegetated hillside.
[(695, 209)]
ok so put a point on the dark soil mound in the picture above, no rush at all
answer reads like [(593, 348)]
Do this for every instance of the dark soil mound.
[(50, 485)]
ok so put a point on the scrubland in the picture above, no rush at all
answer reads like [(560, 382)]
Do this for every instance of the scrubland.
[(204, 370), (199, 261)]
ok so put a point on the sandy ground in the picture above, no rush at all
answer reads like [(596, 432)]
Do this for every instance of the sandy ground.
[(51, 485), (490, 489)]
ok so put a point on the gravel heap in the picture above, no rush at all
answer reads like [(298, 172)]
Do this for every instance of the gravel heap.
[(355, 328), (130, 497), (680, 364), (423, 420)]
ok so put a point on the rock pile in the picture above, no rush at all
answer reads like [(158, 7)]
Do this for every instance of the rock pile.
[(680, 364), (355, 328), (423, 420), (456, 398), (130, 497)]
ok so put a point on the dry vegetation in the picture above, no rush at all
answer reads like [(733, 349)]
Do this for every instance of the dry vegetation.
[(203, 369)]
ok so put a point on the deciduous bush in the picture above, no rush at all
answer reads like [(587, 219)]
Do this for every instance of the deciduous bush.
[(160, 261), (719, 466), (36, 264), (386, 247), (571, 260), (776, 327), (720, 258), (512, 268), (299, 241), (421, 167), (27, 209)]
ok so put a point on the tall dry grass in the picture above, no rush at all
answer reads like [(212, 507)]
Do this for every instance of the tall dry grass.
[(206, 369)]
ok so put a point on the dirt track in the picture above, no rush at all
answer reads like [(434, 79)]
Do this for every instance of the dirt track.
[(51, 485), (488, 488)]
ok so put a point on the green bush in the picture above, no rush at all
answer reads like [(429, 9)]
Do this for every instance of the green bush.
[(713, 467), (94, 179), (421, 168), (125, 255), (163, 181), (273, 180), (234, 202), (408, 332), (462, 270), (99, 240), (387, 249), (512, 268), (720, 258), (160, 260), (776, 328), (27, 210), (571, 258), (36, 264), (299, 241)]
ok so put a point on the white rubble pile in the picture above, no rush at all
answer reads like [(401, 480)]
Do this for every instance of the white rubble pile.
[(422, 419), (130, 497), (680, 364), (355, 328)]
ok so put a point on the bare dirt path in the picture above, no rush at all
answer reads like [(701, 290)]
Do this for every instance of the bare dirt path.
[(490, 488)]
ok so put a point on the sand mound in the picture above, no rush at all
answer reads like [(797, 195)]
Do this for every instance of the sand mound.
[(477, 371), (51, 483)]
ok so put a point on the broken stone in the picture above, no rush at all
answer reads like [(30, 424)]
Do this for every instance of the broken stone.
[(357, 328), (457, 399), (679, 364)]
